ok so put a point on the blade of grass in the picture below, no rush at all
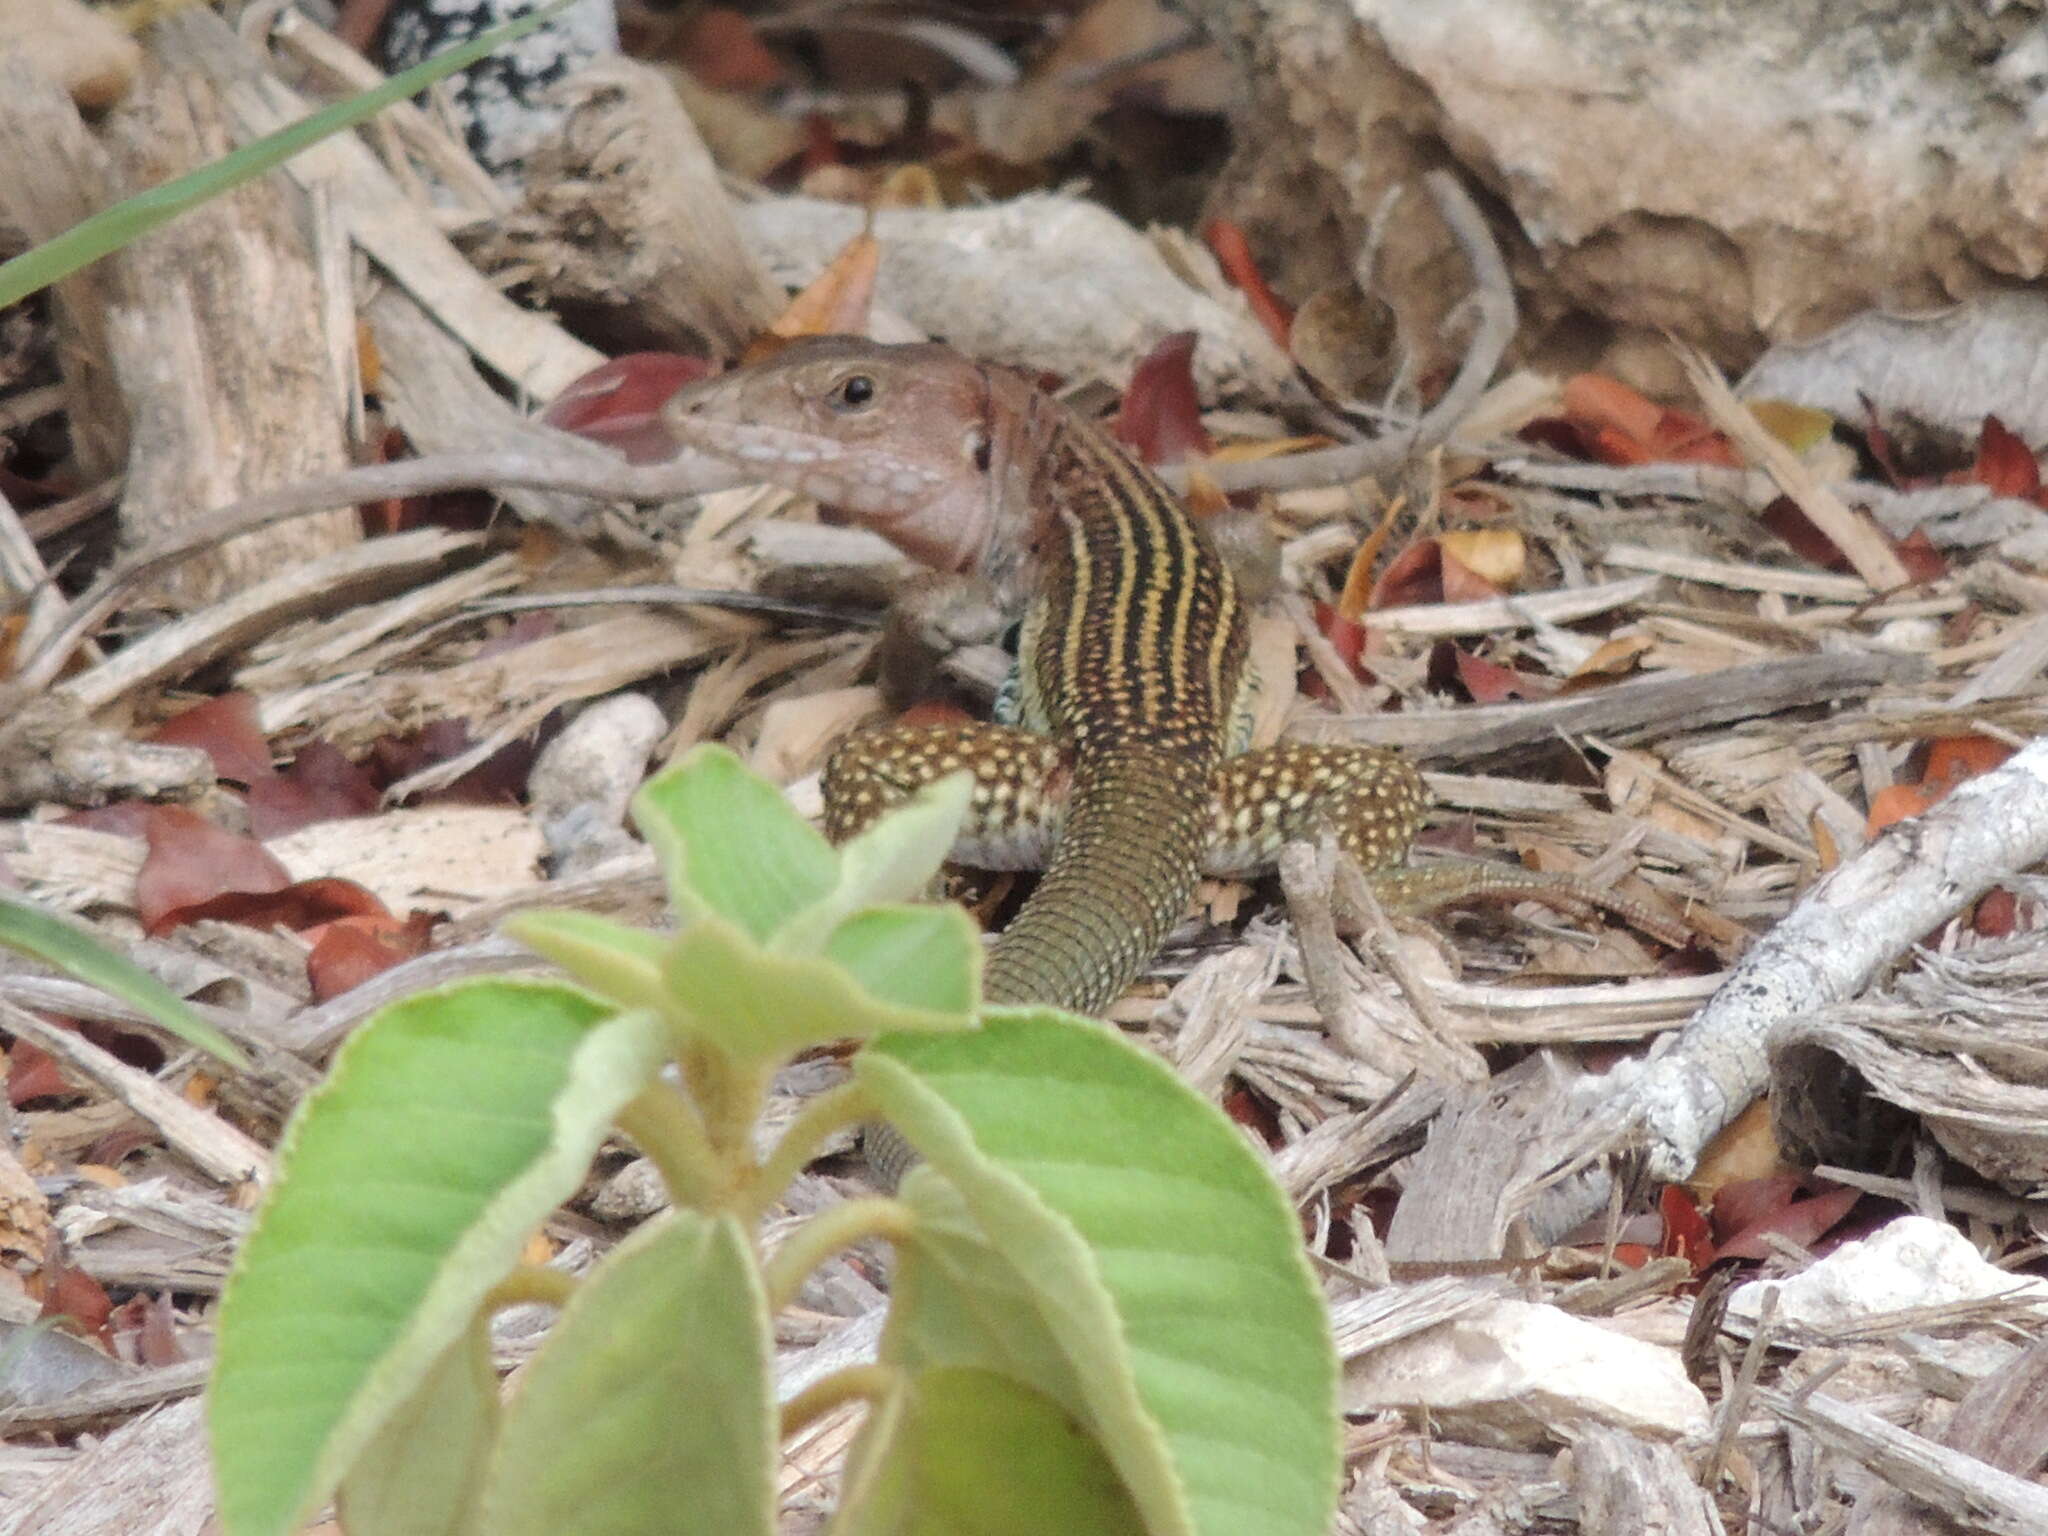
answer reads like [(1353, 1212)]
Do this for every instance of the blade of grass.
[(112, 228), (35, 932)]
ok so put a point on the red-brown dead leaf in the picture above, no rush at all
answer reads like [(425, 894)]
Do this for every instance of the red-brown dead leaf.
[(1741, 1203), (1488, 682), (619, 403), (1620, 425), (1685, 1229), (2004, 462), (72, 1298), (1784, 518), (1923, 562), (1233, 252), (1161, 417), (720, 47), (1878, 441), (192, 861), (1595, 401), (1804, 1222), (1413, 576), (108, 1150), (295, 908), (1346, 636), (33, 1073), (225, 729), (144, 1330), (321, 785), (349, 952), (1997, 915), (1461, 584)]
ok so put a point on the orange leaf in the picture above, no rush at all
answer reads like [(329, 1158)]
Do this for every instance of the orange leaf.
[(1358, 585), (836, 301), (1594, 400), (1952, 759), (1897, 802), (1234, 254)]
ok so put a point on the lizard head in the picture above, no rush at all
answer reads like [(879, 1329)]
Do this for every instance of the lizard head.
[(907, 440)]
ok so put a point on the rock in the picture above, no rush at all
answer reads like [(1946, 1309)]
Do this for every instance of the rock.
[(1520, 1375), (1910, 1262), (1740, 173)]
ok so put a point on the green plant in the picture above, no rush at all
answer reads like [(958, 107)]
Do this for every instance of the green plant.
[(1101, 1318)]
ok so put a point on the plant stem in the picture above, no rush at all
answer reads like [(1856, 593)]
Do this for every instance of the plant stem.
[(848, 1104), (811, 1244), (867, 1383), (531, 1283), (664, 1126)]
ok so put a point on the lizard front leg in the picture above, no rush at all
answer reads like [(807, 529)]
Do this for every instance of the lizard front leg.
[(1021, 782)]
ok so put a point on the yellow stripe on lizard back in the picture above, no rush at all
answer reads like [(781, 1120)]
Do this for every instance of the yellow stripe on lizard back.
[(1132, 652)]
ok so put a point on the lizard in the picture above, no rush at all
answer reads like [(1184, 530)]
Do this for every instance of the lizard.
[(1124, 773)]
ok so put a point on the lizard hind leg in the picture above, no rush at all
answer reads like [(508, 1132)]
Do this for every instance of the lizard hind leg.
[(1372, 799), (1021, 785)]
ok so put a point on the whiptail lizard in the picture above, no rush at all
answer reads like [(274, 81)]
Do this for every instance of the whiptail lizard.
[(1125, 774)]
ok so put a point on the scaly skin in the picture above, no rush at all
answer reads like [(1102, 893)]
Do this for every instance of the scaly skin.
[(1125, 776)]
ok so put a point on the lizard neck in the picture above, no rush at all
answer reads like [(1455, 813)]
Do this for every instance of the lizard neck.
[(1134, 634)]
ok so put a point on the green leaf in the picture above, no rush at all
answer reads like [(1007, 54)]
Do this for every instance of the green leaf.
[(1053, 1128), (1033, 1306), (32, 931), (924, 957), (758, 1005), (978, 1454), (729, 843), (420, 1475), (649, 1410), (449, 1127), (618, 962), (130, 219), (894, 860)]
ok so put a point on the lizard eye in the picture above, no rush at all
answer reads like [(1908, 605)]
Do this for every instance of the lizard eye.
[(853, 393)]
